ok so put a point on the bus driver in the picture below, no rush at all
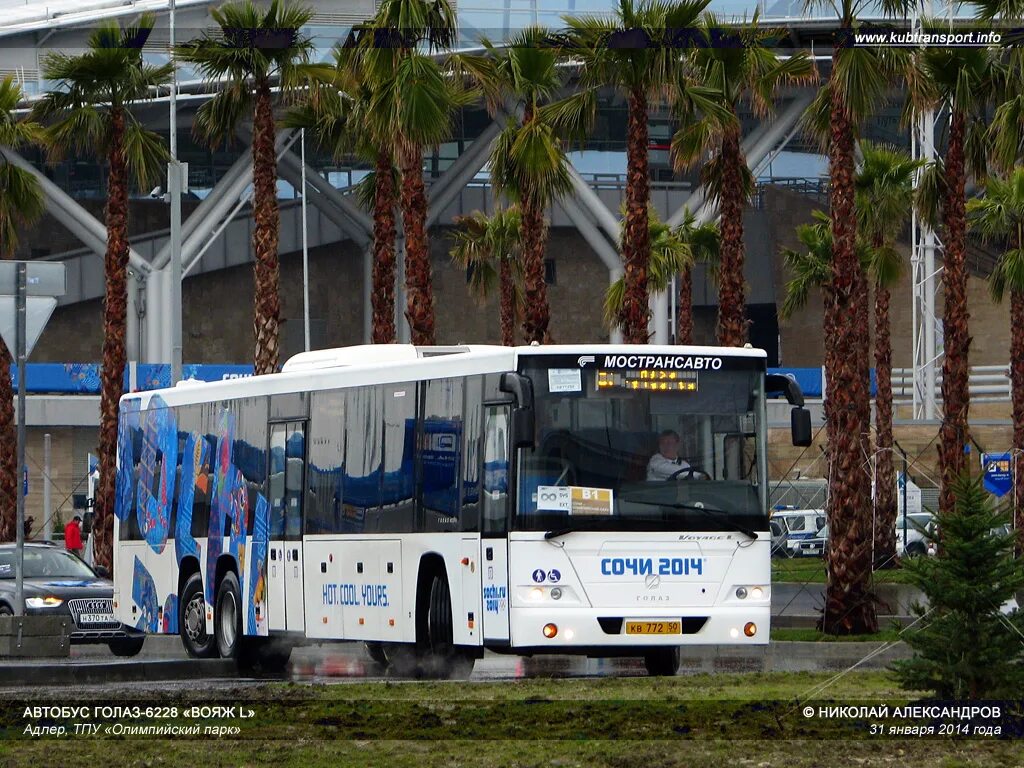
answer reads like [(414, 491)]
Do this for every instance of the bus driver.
[(667, 461)]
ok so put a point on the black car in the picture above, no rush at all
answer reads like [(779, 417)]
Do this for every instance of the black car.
[(57, 581)]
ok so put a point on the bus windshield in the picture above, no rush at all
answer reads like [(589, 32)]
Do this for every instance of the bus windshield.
[(635, 447)]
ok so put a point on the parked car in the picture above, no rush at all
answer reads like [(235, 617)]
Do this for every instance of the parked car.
[(813, 546), (780, 540), (58, 582), (799, 524), (920, 532)]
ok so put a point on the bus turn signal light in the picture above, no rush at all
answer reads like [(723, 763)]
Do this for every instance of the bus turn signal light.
[(550, 630), (750, 629)]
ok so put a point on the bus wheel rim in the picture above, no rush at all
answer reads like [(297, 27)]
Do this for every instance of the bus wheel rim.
[(195, 626)]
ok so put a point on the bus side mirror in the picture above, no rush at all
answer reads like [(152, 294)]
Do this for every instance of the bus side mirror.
[(800, 425), (524, 430)]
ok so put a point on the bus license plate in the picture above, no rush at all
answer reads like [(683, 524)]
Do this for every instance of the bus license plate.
[(653, 627)]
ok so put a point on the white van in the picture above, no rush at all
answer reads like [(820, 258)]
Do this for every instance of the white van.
[(799, 524)]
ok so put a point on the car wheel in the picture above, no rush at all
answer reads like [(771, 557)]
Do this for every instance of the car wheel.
[(662, 662), (915, 549), (192, 620), (227, 617), (127, 646), (6, 610)]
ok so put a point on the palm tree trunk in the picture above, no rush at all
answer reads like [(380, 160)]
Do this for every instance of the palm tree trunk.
[(1017, 384), (508, 302), (267, 314), (533, 234), (885, 474), (383, 299), (419, 309), (684, 321), (8, 457), (849, 605), (115, 314), (954, 433), (636, 242), (732, 324), (533, 237)]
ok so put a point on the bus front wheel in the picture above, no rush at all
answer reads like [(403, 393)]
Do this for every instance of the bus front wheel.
[(662, 662), (446, 659), (192, 620)]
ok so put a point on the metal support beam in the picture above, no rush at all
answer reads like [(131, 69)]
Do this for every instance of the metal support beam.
[(924, 243), (337, 207), (70, 214), (588, 200), (466, 166)]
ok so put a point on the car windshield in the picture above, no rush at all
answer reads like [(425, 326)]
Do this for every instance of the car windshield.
[(623, 447), (45, 562)]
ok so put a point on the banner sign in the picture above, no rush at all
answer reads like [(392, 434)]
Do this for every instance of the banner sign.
[(997, 472), (84, 378)]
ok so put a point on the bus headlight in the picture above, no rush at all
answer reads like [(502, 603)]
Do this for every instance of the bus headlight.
[(536, 593), (757, 593), (741, 593), (556, 593)]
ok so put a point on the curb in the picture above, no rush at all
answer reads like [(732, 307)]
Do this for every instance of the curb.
[(92, 673)]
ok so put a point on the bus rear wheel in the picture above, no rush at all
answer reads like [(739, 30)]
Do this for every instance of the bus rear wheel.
[(662, 662), (264, 654), (192, 620), (227, 617)]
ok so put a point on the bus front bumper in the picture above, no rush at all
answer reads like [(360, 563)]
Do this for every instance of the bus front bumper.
[(567, 629)]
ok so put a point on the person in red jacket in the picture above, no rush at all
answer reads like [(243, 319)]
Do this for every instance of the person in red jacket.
[(73, 535)]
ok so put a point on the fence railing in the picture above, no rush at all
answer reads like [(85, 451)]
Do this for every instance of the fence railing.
[(988, 383)]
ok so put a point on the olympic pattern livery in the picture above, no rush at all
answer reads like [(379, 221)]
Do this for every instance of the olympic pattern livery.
[(434, 502)]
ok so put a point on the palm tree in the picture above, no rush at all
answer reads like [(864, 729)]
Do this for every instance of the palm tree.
[(415, 95), (252, 49), (962, 80), (857, 83), (1000, 214), (90, 110), (884, 185), (337, 110), (743, 69), (21, 203), (489, 247), (671, 254), (528, 162), (627, 52), (704, 240)]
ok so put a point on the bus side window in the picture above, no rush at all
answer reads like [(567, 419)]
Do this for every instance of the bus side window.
[(496, 469)]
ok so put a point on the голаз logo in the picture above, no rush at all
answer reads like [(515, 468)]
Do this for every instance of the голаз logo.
[(652, 581), (584, 359)]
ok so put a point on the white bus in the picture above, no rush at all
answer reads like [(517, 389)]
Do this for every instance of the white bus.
[(434, 502)]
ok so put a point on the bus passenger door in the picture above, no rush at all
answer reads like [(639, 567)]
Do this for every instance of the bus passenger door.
[(287, 479), (294, 487), (495, 515), (276, 549)]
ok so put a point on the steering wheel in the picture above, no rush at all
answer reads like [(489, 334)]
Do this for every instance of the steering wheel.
[(691, 473)]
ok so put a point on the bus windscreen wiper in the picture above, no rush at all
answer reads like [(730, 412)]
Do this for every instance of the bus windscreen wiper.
[(715, 512)]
